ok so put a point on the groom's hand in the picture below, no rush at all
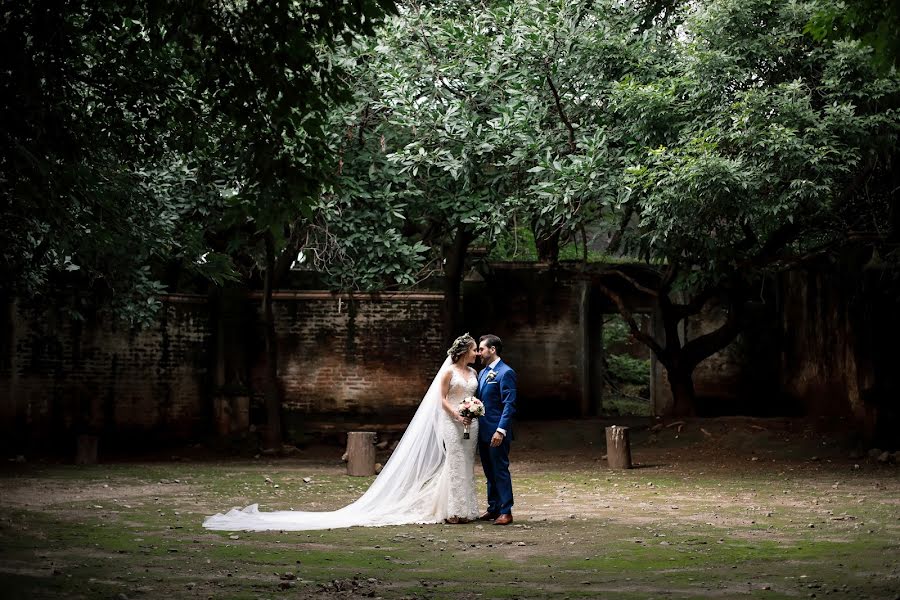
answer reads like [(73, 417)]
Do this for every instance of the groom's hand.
[(497, 439)]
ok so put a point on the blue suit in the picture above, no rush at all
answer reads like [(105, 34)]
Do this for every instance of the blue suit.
[(498, 394)]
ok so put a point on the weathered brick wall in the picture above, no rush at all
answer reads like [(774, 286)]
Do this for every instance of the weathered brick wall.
[(840, 326), (366, 356), (62, 377), (365, 359), (537, 314)]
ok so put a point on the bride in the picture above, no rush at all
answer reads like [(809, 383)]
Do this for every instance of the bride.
[(428, 479)]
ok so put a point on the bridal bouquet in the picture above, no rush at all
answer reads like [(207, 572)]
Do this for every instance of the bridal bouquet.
[(472, 408)]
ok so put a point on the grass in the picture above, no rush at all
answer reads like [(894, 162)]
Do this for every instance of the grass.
[(698, 519)]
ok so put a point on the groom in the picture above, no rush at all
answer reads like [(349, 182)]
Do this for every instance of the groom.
[(497, 391)]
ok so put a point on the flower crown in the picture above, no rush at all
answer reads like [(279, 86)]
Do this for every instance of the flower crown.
[(460, 346)]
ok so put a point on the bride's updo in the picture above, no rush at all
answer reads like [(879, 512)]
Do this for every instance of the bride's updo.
[(460, 346)]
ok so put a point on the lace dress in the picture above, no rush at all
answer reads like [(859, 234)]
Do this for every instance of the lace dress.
[(459, 463)]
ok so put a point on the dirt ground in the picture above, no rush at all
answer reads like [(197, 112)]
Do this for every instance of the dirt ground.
[(720, 508)]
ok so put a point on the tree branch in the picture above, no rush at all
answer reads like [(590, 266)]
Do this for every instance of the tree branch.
[(562, 113), (696, 303), (632, 281), (697, 349), (632, 324), (616, 240)]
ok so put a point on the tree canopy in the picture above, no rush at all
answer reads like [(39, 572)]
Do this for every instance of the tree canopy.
[(130, 131)]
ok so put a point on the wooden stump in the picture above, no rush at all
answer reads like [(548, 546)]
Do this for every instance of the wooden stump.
[(86, 452), (361, 453), (618, 447)]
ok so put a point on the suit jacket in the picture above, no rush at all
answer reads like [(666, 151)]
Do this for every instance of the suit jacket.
[(498, 394)]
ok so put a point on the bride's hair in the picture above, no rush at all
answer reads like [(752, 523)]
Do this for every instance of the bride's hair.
[(460, 346)]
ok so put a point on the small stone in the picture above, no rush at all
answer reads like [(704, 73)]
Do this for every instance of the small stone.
[(884, 457), (344, 457), (307, 480), (754, 459), (520, 544), (288, 576), (286, 585), (234, 536)]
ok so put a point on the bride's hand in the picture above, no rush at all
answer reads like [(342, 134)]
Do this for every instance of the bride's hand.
[(467, 421)]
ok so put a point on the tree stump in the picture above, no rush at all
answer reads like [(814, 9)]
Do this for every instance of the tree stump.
[(86, 451), (361, 453), (618, 447)]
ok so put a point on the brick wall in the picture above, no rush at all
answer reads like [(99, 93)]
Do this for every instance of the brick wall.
[(366, 357), (361, 359), (537, 314), (62, 377)]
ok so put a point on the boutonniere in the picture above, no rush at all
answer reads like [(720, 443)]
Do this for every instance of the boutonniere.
[(491, 374)]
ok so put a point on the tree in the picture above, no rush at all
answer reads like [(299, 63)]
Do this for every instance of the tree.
[(472, 119), (165, 131), (716, 156), (418, 151), (765, 148)]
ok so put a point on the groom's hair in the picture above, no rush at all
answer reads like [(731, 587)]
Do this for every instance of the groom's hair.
[(492, 341)]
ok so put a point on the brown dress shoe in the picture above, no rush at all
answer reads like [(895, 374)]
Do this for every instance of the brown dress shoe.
[(503, 519), (487, 516)]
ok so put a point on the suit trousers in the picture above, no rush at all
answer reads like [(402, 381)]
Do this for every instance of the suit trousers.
[(495, 462)]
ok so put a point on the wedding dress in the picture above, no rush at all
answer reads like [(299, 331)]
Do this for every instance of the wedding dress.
[(428, 478)]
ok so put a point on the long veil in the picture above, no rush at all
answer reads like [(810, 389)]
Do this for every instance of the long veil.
[(409, 488)]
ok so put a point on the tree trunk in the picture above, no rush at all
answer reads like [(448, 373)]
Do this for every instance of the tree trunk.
[(455, 256), (546, 243), (618, 447), (361, 453), (273, 440), (681, 382)]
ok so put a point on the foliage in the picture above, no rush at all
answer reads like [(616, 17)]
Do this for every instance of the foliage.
[(132, 131), (480, 119), (767, 135), (622, 367), (875, 23)]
